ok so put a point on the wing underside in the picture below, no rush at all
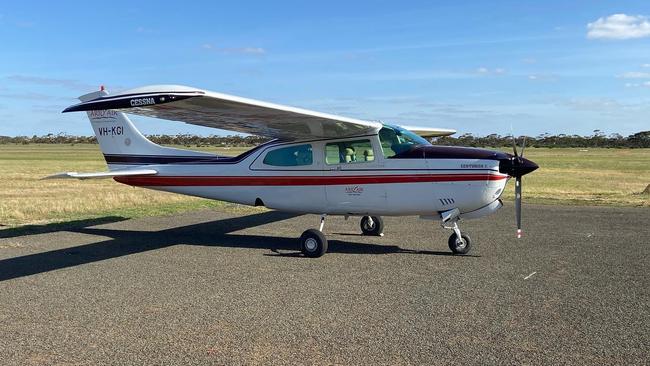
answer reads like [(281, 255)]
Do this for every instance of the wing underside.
[(226, 112), (430, 131)]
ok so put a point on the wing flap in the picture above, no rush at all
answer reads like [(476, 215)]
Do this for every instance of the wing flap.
[(100, 175)]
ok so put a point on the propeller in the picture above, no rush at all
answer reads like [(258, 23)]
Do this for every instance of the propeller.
[(518, 159), (517, 166)]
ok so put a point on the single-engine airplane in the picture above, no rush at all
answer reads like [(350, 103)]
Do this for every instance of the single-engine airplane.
[(316, 163)]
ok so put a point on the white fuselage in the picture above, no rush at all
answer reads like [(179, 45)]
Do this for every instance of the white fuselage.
[(360, 183)]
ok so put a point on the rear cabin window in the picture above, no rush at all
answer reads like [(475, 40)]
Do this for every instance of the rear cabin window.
[(290, 156), (348, 152)]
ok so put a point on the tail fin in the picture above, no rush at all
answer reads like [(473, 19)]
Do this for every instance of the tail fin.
[(123, 145)]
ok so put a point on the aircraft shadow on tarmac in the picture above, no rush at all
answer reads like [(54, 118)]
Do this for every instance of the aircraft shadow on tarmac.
[(58, 226), (213, 233)]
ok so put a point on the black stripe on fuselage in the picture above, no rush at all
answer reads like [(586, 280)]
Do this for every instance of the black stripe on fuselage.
[(448, 152), (182, 159)]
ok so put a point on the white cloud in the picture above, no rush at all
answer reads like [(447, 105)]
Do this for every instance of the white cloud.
[(486, 71), (542, 77), (645, 65), (619, 26), (635, 75), (645, 84)]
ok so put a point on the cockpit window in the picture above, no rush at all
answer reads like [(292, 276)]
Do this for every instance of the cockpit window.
[(395, 140)]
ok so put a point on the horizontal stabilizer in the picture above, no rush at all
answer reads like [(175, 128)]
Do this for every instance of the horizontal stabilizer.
[(98, 175)]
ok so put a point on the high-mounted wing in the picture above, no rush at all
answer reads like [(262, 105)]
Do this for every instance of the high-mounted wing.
[(227, 112), (430, 131)]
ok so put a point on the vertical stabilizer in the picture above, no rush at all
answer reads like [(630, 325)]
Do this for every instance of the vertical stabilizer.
[(121, 142)]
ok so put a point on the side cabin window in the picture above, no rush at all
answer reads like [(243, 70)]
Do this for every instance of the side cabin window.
[(290, 156), (396, 140), (348, 152)]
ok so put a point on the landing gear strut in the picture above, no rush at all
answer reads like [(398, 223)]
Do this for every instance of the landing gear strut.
[(459, 243), (313, 243)]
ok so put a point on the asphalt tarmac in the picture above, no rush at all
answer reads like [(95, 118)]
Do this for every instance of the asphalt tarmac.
[(229, 288)]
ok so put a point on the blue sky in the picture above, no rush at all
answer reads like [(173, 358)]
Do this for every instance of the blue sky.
[(479, 67)]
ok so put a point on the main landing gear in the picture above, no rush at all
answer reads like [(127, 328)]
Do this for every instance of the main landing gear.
[(313, 243), (459, 243), (372, 226)]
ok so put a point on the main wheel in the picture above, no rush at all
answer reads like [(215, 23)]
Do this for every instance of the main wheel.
[(313, 243), (374, 228), (461, 246)]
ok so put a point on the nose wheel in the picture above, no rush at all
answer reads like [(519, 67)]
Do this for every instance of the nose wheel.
[(459, 243)]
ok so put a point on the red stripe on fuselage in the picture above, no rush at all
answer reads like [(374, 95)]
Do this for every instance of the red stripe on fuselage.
[(187, 181)]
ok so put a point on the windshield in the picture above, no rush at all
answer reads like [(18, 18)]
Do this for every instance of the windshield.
[(395, 140)]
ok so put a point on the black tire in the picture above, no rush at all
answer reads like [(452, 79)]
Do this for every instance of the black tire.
[(460, 248), (377, 227), (313, 243)]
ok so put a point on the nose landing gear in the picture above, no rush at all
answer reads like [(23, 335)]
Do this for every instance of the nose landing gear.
[(459, 243)]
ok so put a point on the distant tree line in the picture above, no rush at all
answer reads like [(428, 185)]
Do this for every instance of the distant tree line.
[(597, 139), (180, 139)]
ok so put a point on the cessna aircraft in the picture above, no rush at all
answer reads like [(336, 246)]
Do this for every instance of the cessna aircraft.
[(316, 163)]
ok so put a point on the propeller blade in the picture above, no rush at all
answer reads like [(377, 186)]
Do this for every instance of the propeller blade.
[(523, 146), (518, 205), (514, 145)]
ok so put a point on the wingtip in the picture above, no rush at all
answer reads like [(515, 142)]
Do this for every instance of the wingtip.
[(58, 176), (75, 108)]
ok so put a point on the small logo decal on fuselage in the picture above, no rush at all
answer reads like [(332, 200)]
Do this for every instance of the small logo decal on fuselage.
[(473, 166), (142, 101), (102, 114), (354, 190)]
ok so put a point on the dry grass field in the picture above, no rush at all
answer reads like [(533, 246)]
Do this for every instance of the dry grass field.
[(587, 177), (566, 176), (26, 199)]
